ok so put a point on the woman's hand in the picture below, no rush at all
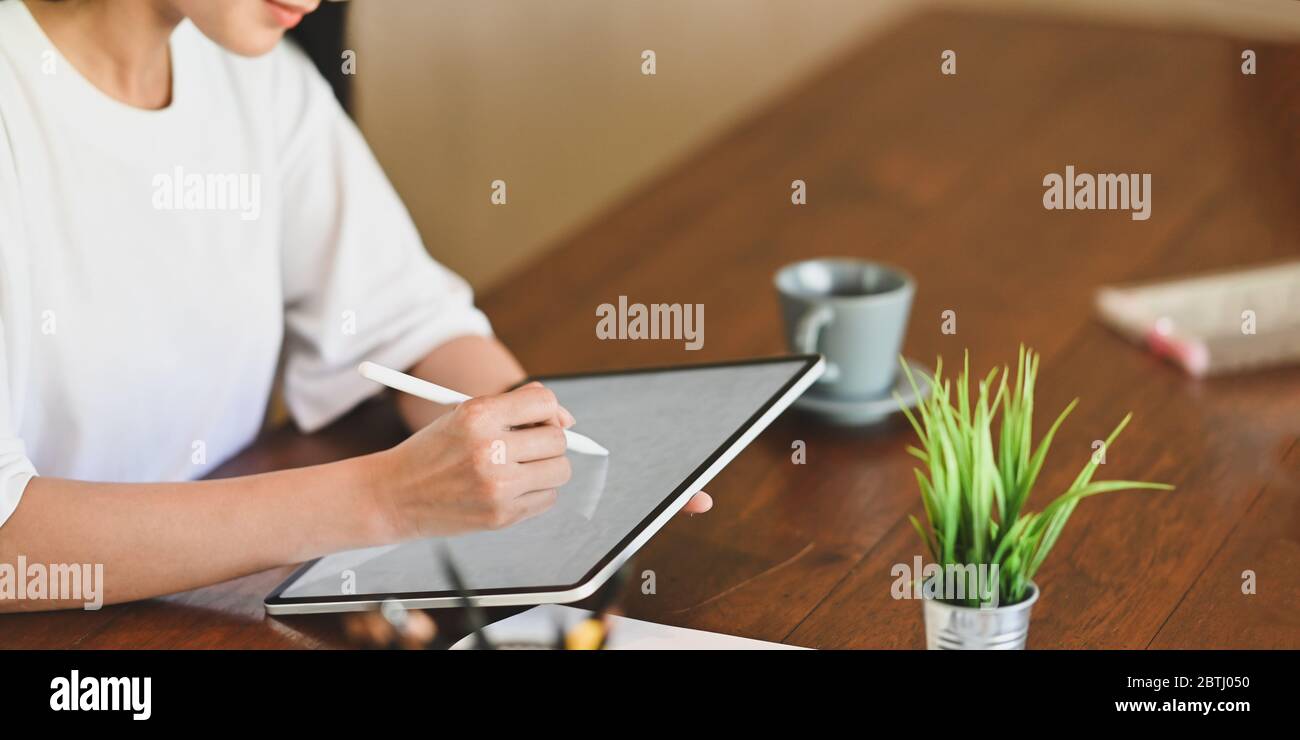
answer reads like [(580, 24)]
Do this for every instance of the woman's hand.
[(479, 366), (489, 463)]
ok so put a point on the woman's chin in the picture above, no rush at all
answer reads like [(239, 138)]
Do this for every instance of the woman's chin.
[(253, 43), (248, 28)]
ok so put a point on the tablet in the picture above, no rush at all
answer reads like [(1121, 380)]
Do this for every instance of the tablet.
[(669, 431)]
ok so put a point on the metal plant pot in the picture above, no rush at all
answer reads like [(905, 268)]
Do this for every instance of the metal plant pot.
[(949, 627)]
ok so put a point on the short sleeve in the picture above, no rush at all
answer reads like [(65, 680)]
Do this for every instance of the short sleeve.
[(358, 282), (16, 470)]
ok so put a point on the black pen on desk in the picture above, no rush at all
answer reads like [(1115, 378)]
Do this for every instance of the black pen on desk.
[(473, 613)]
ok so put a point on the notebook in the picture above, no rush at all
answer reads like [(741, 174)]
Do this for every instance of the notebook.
[(1213, 324)]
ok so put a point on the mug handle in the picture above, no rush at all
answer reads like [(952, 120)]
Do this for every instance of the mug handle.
[(806, 332)]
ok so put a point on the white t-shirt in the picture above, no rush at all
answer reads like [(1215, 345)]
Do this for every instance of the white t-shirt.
[(155, 265)]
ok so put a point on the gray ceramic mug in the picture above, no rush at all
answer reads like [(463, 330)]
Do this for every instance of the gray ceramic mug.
[(852, 311)]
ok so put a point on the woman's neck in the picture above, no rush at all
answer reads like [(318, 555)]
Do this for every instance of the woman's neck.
[(120, 47)]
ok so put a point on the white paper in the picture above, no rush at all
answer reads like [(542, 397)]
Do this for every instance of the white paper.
[(541, 624)]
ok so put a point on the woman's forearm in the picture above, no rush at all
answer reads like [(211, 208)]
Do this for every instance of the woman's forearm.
[(477, 366), (160, 538)]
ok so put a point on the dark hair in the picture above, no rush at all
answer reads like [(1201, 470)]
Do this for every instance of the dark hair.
[(322, 36)]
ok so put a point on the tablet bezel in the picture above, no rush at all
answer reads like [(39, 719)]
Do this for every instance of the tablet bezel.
[(800, 381)]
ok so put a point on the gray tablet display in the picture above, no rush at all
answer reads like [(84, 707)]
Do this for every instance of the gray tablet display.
[(668, 430)]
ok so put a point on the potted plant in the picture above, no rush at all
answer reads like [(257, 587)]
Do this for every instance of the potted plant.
[(975, 485)]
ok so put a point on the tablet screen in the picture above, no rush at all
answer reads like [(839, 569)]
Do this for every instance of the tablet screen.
[(661, 427)]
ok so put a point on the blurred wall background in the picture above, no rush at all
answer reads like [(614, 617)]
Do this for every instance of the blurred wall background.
[(549, 96)]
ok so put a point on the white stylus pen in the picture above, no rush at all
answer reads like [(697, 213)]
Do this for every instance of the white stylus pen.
[(432, 392)]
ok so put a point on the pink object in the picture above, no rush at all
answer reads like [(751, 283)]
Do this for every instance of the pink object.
[(1189, 354)]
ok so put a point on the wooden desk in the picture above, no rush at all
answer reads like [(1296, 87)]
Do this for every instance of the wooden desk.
[(941, 175)]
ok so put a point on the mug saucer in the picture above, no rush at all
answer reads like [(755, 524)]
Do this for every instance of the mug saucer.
[(869, 410)]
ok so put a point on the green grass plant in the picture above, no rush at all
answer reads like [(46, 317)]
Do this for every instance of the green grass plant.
[(976, 480)]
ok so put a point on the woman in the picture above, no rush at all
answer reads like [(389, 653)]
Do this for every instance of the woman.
[(183, 204)]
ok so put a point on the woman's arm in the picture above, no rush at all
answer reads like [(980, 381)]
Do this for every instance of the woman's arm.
[(155, 539), (160, 538), (474, 365)]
